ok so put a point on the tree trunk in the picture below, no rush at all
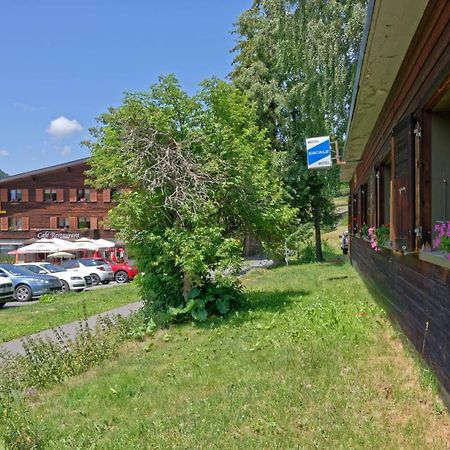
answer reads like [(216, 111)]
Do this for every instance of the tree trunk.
[(319, 255), (187, 285)]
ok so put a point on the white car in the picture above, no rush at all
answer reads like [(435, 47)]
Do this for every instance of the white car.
[(70, 281), (99, 271), (6, 290), (344, 242)]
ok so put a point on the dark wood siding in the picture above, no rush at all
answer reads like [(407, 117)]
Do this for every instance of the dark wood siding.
[(415, 293)]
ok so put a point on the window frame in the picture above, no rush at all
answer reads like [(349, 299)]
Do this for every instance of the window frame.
[(16, 190), (66, 225), (87, 220), (16, 220), (52, 195), (83, 195)]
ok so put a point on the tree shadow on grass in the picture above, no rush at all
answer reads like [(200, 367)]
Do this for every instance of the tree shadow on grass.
[(334, 259), (258, 301)]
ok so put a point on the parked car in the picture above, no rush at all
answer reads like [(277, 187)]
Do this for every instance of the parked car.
[(99, 272), (70, 281), (6, 290), (344, 242), (28, 285), (123, 271)]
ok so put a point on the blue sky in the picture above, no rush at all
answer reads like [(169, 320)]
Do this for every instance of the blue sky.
[(63, 62)]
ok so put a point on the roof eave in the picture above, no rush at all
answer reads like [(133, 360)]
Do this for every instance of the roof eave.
[(389, 30)]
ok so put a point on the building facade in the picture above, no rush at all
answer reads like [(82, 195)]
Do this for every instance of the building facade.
[(52, 202), (398, 167)]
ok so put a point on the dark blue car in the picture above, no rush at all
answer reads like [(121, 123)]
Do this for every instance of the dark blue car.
[(28, 285)]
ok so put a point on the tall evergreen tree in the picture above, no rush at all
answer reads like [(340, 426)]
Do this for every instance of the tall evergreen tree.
[(296, 59)]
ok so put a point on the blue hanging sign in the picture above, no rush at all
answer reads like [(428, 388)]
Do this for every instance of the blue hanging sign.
[(318, 151)]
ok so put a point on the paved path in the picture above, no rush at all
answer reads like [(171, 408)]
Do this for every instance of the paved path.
[(256, 263), (70, 329)]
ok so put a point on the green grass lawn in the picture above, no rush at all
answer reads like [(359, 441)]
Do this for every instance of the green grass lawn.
[(340, 201), (310, 361), (21, 321)]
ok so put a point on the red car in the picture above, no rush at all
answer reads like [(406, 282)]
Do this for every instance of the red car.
[(123, 272)]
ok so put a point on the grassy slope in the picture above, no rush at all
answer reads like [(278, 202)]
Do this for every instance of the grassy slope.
[(309, 362), (24, 320)]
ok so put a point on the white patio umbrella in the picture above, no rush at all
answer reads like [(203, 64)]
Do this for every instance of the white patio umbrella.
[(61, 255), (41, 246), (82, 245), (61, 243), (103, 243)]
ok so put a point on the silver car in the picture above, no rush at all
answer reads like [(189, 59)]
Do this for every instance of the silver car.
[(99, 272)]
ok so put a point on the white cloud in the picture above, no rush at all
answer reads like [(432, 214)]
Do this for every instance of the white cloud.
[(4, 153), (63, 127), (66, 150)]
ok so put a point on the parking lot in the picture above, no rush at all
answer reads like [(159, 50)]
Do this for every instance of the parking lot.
[(92, 288)]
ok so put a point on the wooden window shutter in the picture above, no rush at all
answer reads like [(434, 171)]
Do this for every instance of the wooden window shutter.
[(4, 224), (354, 211), (377, 203), (3, 195), (372, 200), (94, 223), (73, 223), (403, 185), (106, 195), (93, 196), (54, 222), (39, 195), (59, 195), (363, 205), (25, 196), (419, 224), (72, 195), (25, 223)]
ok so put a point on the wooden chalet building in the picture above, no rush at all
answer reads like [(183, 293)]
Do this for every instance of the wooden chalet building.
[(52, 202), (398, 166)]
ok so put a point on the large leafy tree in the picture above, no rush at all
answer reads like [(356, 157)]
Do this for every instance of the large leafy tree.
[(296, 60), (194, 175)]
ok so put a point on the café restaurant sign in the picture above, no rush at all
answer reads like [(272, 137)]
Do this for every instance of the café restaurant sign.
[(50, 234)]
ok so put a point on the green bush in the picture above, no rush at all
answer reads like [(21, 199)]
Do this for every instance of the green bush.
[(215, 298)]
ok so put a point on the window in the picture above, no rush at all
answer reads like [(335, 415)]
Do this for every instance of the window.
[(50, 195), (364, 205), (83, 195), (383, 193), (84, 222), (15, 195), (71, 264), (63, 222), (34, 269), (15, 223), (440, 166)]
